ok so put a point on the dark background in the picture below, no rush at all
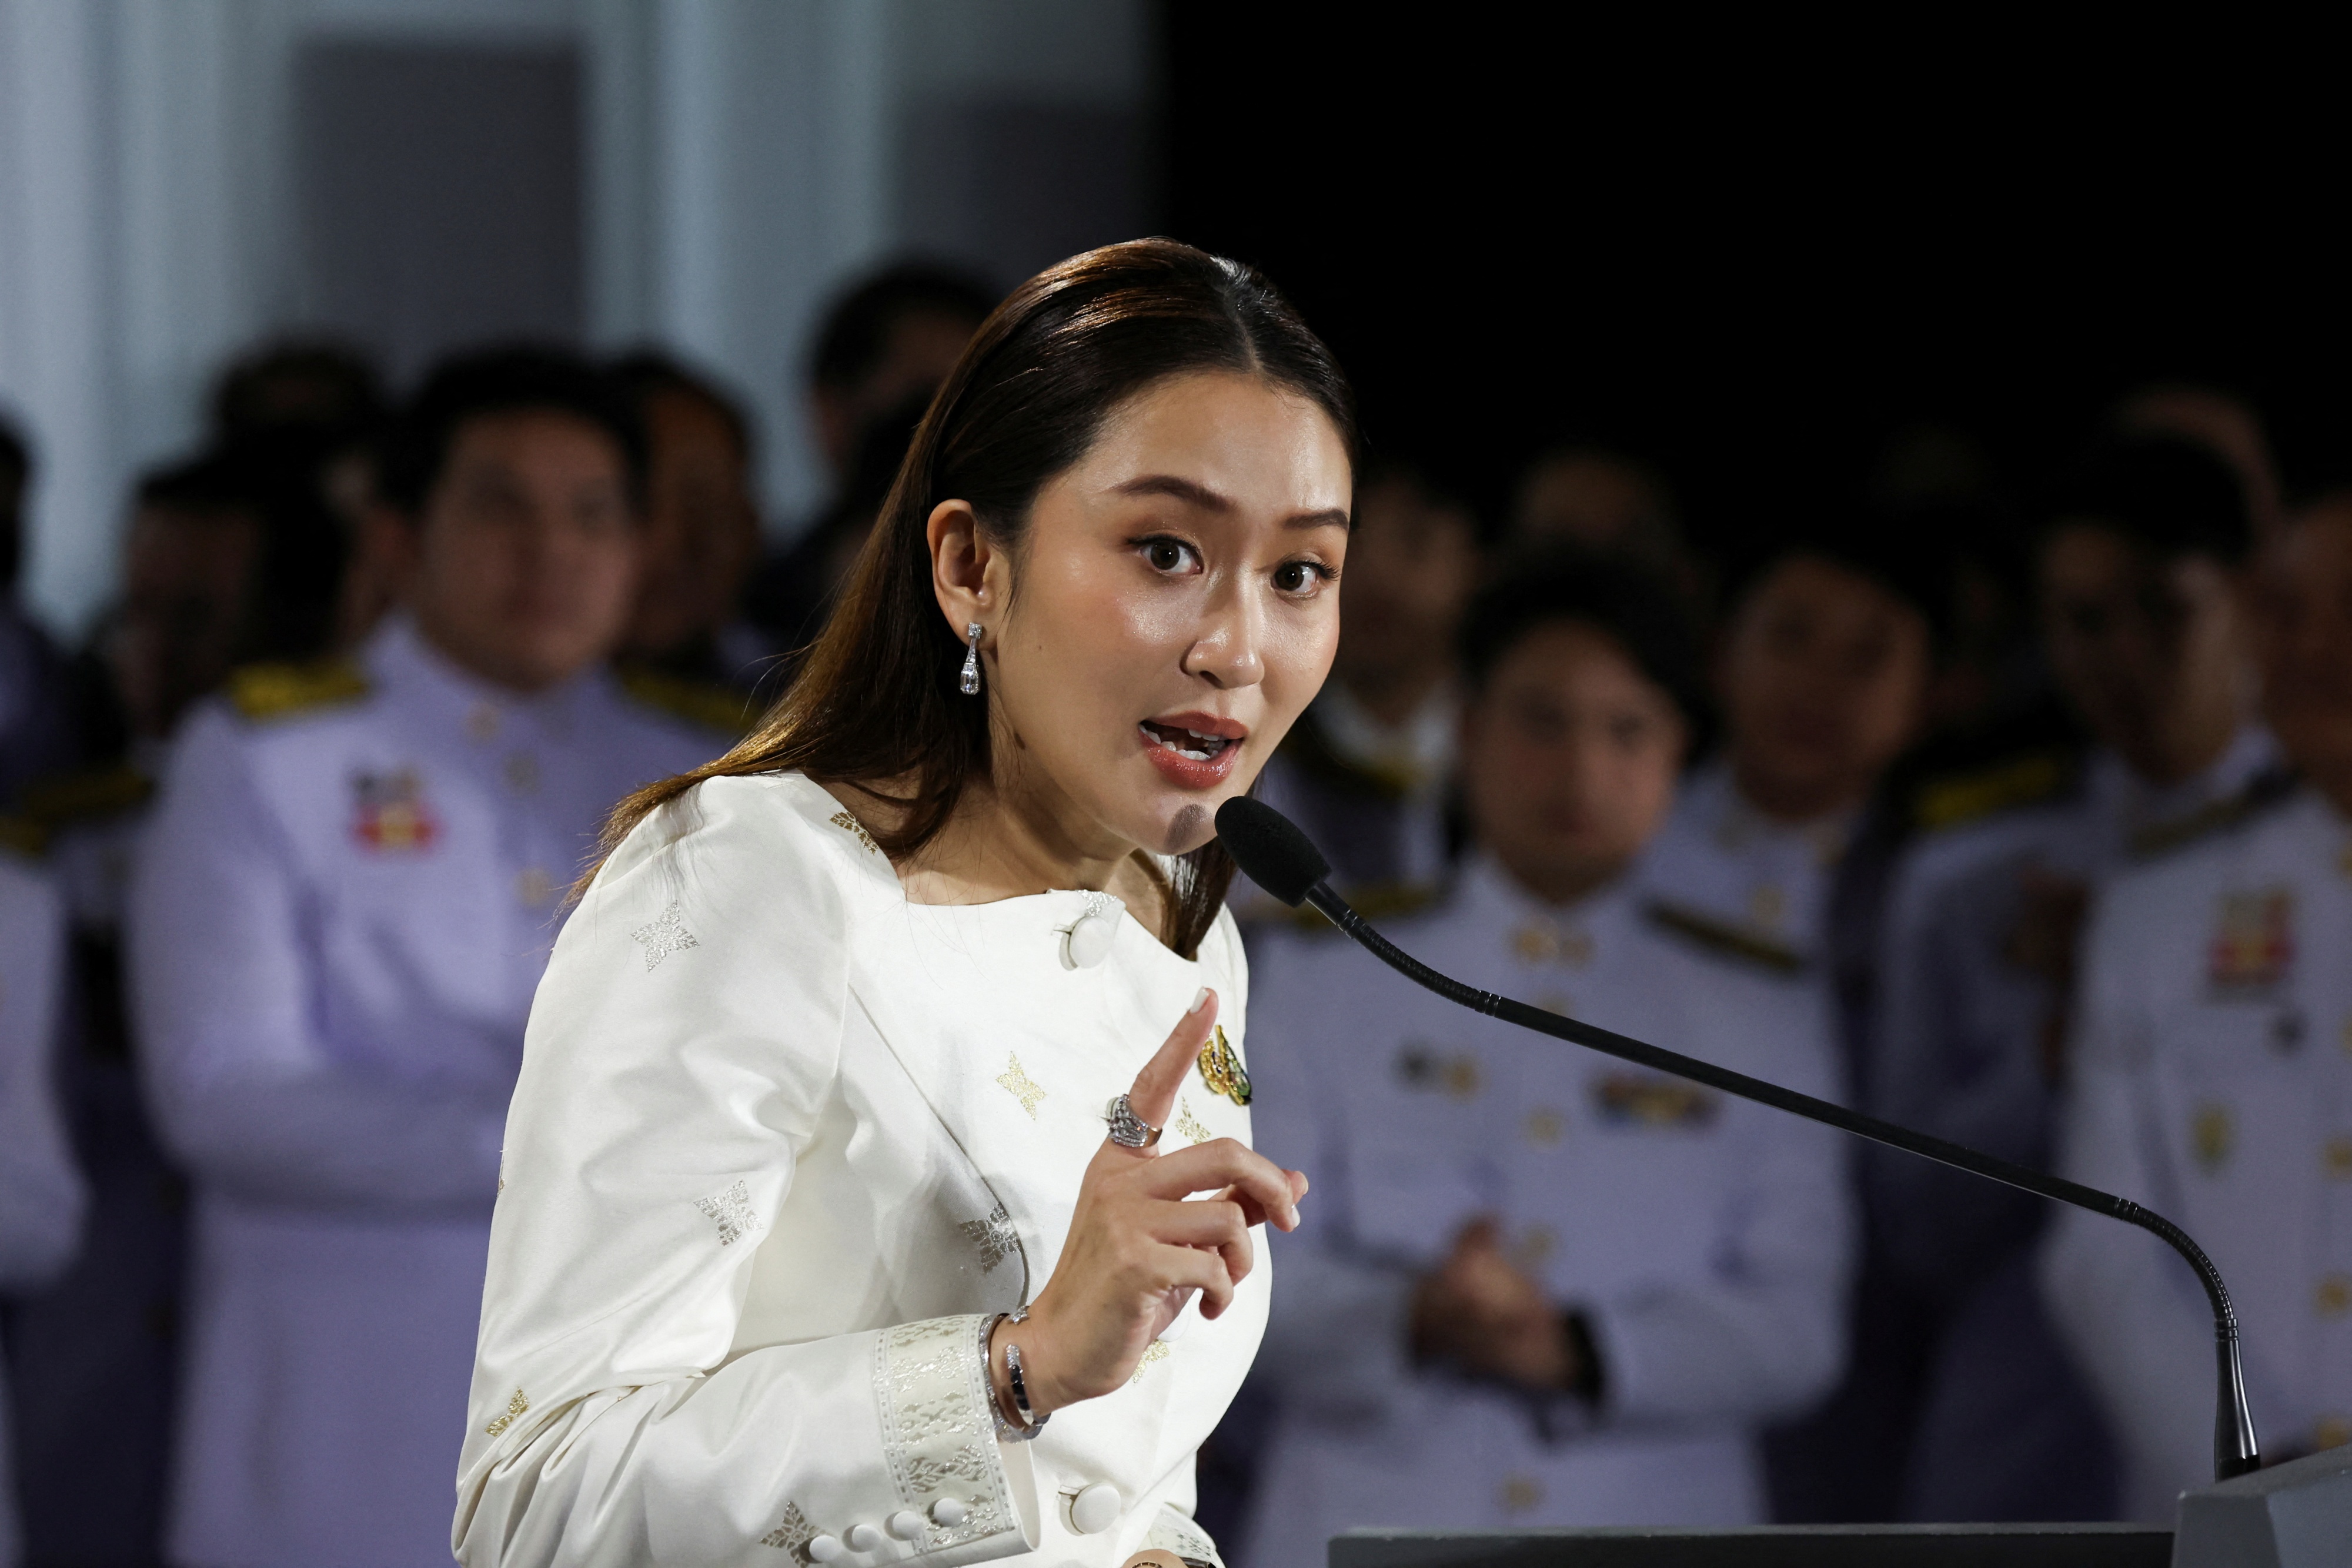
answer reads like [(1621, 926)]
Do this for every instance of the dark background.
[(1756, 260)]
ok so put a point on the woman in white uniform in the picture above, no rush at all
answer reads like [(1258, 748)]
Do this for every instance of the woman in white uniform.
[(842, 1209)]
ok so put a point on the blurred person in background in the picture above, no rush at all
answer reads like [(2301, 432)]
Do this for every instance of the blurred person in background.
[(2211, 1073), (340, 914), (2223, 423), (35, 725), (1544, 1288), (2140, 574), (1368, 769), (882, 349), (225, 560), (303, 414), (42, 1197), (1782, 843), (688, 644), (1584, 493)]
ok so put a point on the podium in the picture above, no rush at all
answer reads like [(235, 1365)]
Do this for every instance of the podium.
[(2295, 1515)]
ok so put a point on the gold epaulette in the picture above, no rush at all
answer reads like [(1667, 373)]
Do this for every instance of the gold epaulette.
[(61, 800), (2264, 790), (1378, 901), (2028, 781), (268, 693), (703, 703), (1724, 938)]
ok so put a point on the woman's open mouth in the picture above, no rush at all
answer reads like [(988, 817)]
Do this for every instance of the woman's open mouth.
[(1196, 750)]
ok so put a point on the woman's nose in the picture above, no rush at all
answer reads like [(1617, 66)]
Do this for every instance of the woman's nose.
[(1226, 652)]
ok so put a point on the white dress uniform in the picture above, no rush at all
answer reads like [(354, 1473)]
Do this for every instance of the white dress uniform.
[(341, 908), (1970, 1027), (1704, 1238), (2213, 1083), (41, 1194), (781, 1138), (1719, 857)]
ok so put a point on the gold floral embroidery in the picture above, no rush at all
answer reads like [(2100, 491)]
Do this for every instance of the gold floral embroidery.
[(1019, 1084), (793, 1535), (1222, 1070), (1156, 1351), (514, 1406), (856, 830), (731, 1212), (1192, 1126)]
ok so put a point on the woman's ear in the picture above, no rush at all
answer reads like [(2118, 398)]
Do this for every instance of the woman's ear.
[(961, 561)]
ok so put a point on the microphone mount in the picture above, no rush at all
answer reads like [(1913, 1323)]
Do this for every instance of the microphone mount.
[(1261, 838)]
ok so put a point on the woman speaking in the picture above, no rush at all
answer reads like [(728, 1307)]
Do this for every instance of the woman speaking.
[(844, 1213)]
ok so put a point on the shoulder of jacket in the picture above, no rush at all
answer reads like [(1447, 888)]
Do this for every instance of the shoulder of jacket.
[(706, 705), (274, 693), (1309, 750), (2262, 794), (88, 794), (1723, 939), (1957, 800)]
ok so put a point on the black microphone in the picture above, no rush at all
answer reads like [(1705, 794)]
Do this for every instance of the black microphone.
[(1282, 860)]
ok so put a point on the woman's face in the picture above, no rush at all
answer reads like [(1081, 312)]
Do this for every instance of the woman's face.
[(1174, 604)]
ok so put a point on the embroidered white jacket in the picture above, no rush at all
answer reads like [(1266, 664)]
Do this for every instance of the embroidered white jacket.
[(779, 1136)]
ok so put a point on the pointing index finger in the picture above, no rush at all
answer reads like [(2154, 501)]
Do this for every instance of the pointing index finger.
[(1154, 1094)]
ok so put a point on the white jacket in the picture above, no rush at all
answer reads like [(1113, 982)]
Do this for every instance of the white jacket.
[(779, 1136)]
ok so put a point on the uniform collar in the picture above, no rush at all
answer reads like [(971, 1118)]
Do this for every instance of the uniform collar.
[(403, 661), (1734, 822), (2124, 798), (1489, 894), (1416, 755)]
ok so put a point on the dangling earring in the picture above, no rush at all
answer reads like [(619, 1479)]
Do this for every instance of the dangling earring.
[(970, 682)]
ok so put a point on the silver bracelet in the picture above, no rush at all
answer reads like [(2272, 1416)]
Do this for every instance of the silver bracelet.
[(1007, 1431)]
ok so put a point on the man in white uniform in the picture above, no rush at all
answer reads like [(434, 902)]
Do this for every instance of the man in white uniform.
[(2143, 621), (41, 1194), (343, 904), (1544, 1288), (1368, 768), (2212, 1068)]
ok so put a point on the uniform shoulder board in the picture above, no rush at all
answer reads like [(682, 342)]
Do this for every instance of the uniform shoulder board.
[(705, 704), (1310, 751), (1959, 799), (268, 693), (1723, 938), (2264, 790), (1379, 901)]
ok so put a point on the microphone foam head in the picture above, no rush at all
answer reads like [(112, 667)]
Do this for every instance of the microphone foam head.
[(1270, 849)]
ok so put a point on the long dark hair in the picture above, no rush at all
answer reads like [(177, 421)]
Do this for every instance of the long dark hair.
[(875, 702)]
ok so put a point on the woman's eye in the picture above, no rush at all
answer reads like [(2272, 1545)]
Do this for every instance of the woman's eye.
[(1167, 555), (1299, 577)]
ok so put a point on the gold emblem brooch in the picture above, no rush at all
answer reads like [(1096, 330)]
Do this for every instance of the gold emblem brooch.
[(1222, 1069)]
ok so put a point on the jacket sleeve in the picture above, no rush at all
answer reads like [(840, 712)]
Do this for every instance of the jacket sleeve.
[(41, 1194), (1762, 1333), (681, 1057), (241, 1085), (2132, 1313), (1336, 1332)]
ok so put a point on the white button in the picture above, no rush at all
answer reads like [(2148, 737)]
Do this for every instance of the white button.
[(906, 1524), (950, 1511), (823, 1548), (863, 1538), (1096, 1508), (1089, 940)]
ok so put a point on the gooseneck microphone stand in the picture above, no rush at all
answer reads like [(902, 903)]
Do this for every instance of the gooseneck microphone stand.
[(1282, 861)]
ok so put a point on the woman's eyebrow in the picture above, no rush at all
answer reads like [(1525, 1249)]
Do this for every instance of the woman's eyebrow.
[(1189, 491), (1192, 493)]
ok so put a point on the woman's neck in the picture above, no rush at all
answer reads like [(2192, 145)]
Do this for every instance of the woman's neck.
[(1007, 841)]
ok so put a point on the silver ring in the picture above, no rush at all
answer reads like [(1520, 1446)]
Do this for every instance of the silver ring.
[(1127, 1129)]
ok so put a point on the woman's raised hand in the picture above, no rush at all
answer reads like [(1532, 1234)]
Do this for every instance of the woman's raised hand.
[(1137, 1248)]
